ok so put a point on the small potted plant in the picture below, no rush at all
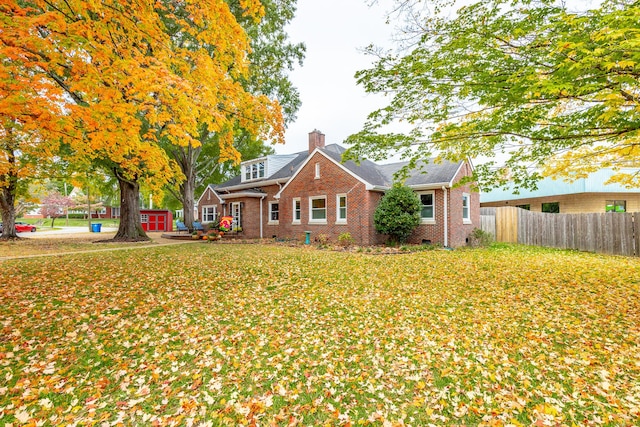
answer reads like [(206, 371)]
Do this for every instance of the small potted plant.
[(195, 234)]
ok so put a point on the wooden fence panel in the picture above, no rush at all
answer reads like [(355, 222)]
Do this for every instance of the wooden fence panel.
[(488, 224), (507, 224), (610, 233)]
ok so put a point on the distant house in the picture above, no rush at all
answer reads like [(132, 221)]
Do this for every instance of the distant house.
[(585, 195), (284, 196)]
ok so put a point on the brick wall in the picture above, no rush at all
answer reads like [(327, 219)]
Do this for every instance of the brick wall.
[(458, 231), (333, 180), (249, 213)]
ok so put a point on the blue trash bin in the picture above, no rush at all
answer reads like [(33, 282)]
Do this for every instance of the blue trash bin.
[(95, 228)]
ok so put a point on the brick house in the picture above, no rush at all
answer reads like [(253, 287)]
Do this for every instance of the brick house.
[(284, 196)]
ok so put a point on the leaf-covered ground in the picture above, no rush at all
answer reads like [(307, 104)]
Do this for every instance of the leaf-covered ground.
[(266, 335), (43, 244)]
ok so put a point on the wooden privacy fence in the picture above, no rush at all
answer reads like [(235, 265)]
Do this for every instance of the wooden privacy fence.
[(609, 233)]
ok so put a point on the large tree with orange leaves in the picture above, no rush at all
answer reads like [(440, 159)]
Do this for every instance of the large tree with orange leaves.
[(129, 83), (271, 56), (30, 109)]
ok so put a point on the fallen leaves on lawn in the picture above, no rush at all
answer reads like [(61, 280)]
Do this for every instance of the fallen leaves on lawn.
[(208, 335)]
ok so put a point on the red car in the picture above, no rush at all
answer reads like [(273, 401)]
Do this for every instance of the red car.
[(21, 227)]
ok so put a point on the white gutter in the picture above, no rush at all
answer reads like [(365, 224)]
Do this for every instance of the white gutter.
[(253, 184), (240, 195), (261, 199), (446, 217)]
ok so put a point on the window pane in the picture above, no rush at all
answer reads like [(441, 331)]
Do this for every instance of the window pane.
[(318, 214), (274, 211), (551, 207), (261, 169), (318, 209), (465, 206), (426, 210), (616, 206), (296, 210), (342, 207)]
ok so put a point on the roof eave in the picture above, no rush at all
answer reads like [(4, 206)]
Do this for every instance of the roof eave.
[(431, 186), (253, 184), (241, 194)]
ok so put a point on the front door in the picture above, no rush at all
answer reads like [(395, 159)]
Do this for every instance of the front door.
[(235, 213)]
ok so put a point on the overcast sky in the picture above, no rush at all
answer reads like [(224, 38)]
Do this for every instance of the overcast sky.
[(334, 31)]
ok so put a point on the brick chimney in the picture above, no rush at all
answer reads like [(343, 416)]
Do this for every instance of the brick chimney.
[(316, 140)]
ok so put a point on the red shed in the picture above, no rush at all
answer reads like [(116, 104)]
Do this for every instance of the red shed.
[(156, 220)]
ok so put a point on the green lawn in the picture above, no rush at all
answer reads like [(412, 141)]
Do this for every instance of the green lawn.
[(273, 335), (44, 223)]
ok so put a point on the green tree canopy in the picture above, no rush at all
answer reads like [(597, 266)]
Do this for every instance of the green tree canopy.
[(539, 88), (398, 213)]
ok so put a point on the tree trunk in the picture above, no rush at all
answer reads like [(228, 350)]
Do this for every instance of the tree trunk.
[(130, 229), (7, 206), (187, 188), (187, 158)]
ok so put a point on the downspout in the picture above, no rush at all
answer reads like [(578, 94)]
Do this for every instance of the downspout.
[(261, 199), (446, 217)]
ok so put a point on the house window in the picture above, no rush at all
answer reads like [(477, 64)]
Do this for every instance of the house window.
[(274, 214), (553, 207), (616, 206), (115, 212), (341, 208), (525, 207), (208, 214), (318, 209), (317, 171), (427, 208), (254, 171), (297, 211), (466, 214), (144, 218)]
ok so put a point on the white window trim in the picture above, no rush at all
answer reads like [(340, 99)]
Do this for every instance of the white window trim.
[(428, 220), (271, 221), (317, 171), (346, 206), (317, 221), (254, 168), (294, 220), (466, 220), (202, 213)]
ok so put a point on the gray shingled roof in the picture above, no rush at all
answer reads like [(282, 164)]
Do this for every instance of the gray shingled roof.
[(427, 173), (287, 171)]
